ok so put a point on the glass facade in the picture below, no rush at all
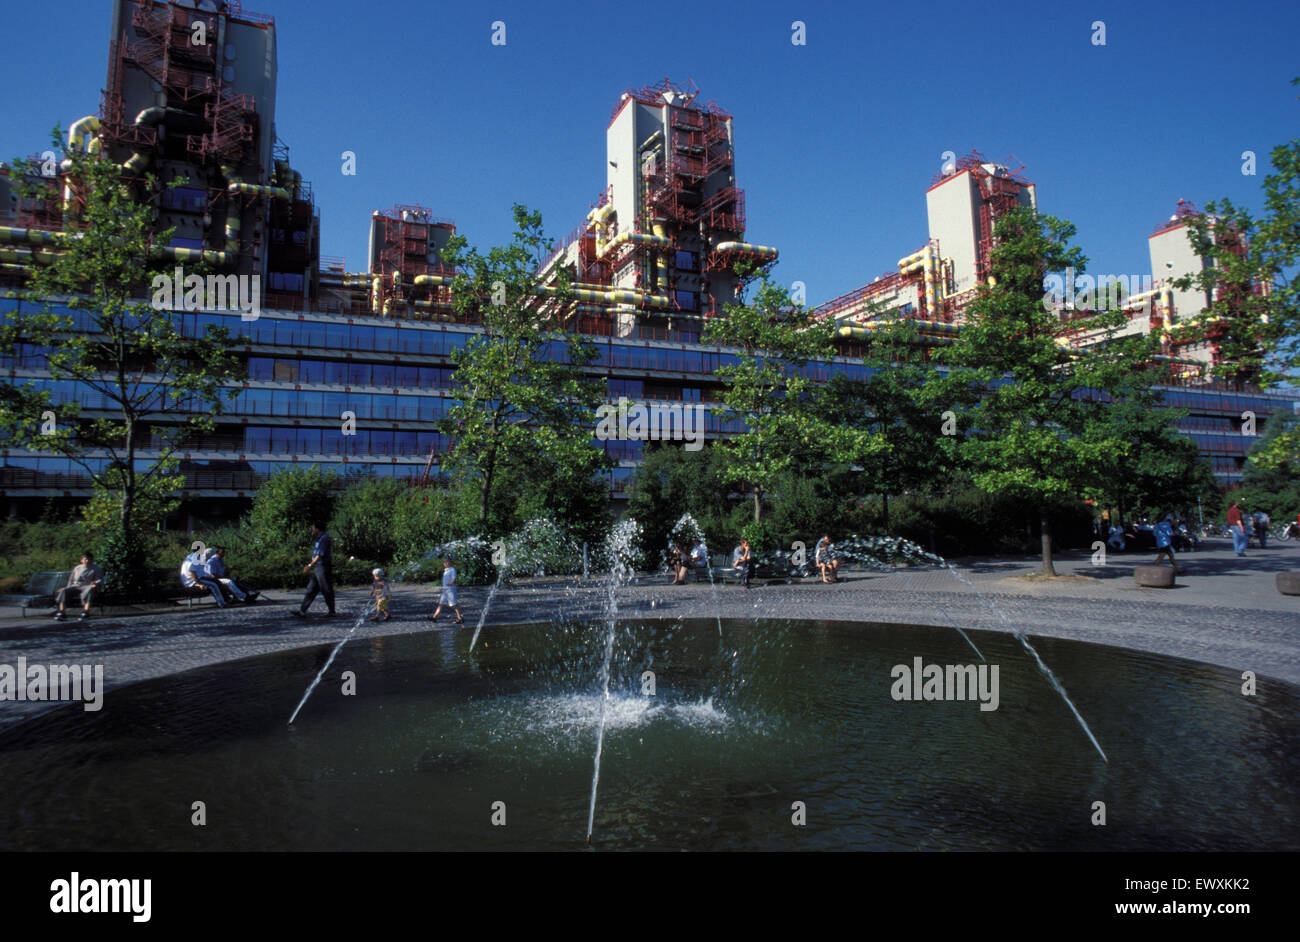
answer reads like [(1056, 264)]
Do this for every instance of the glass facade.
[(363, 396)]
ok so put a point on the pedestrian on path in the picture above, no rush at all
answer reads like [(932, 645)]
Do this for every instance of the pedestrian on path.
[(321, 568), (448, 596), (381, 593), (1261, 521), (1239, 537), (1164, 533)]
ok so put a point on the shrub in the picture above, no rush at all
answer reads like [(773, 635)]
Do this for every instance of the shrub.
[(287, 504), (363, 521)]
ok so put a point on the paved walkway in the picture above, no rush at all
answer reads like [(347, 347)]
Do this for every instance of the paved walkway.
[(1225, 611)]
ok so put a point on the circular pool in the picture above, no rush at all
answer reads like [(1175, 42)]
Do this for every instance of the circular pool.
[(761, 735)]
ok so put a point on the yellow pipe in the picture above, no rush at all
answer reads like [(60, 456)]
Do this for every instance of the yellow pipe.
[(860, 332), (909, 262), (77, 136), (607, 295), (764, 250), (926, 261), (44, 237), (928, 282), (640, 238), (76, 141), (1166, 295), (33, 236)]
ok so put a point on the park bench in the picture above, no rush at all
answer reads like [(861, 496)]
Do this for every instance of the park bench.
[(42, 589), (163, 585)]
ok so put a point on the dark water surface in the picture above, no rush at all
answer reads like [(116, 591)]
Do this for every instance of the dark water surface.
[(738, 730)]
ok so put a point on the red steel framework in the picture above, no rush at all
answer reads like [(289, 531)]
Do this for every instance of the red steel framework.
[(403, 238), (654, 95), (187, 72), (1184, 212), (999, 192)]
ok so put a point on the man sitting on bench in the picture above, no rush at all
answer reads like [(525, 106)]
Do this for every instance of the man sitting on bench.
[(215, 560), (194, 575), (86, 579)]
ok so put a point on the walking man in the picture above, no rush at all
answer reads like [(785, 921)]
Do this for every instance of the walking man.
[(1239, 537), (85, 579), (321, 568)]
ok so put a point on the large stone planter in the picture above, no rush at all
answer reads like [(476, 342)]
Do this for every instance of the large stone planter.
[(1154, 577), (1288, 583)]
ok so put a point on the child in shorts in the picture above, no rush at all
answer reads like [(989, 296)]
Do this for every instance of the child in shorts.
[(381, 593), (448, 597)]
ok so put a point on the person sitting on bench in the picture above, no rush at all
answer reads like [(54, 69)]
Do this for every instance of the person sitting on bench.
[(215, 561), (86, 579), (826, 560), (194, 575)]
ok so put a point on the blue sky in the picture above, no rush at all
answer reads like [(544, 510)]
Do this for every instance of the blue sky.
[(836, 141)]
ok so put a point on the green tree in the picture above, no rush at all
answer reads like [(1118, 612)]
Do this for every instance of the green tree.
[(364, 517), (1271, 477), (770, 390), (891, 405), (287, 504), (562, 484), (1149, 465), (671, 481), (149, 385), (1254, 312), (520, 384), (1025, 396)]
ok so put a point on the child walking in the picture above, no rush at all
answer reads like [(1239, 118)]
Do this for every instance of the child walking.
[(381, 593), (448, 597)]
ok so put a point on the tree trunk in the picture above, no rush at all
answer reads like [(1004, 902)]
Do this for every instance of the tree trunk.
[(484, 493), (1045, 532), (884, 507), (758, 505)]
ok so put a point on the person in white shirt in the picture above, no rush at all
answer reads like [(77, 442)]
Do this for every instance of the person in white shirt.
[(194, 574), (85, 579), (448, 596), (699, 555)]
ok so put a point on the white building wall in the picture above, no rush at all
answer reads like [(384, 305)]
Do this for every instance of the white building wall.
[(1172, 256), (952, 207)]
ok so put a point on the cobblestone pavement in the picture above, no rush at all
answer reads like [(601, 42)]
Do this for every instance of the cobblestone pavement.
[(1225, 611)]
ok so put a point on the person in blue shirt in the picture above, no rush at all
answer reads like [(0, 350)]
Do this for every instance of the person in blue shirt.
[(1164, 534), (321, 568), (742, 560), (215, 561)]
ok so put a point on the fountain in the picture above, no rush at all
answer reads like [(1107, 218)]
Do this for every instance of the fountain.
[(896, 547), (791, 709), (622, 550), (370, 607), (687, 532)]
